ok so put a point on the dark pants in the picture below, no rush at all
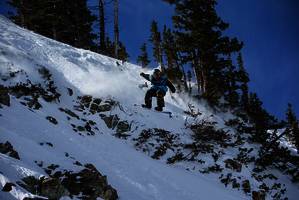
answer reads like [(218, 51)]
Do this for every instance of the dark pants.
[(154, 93)]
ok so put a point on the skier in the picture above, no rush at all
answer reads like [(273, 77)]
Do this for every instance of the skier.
[(159, 89)]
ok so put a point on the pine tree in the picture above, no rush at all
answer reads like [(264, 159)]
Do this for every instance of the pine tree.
[(156, 40), (168, 45), (116, 30), (189, 75), (243, 79), (231, 95), (66, 21), (102, 47), (290, 116), (122, 52), (200, 38), (169, 49), (143, 58), (292, 126), (260, 118)]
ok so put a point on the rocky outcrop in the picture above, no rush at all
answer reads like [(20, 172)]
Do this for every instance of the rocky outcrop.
[(94, 105), (113, 121), (8, 187), (46, 187), (52, 120), (7, 148), (4, 96), (233, 165), (88, 184)]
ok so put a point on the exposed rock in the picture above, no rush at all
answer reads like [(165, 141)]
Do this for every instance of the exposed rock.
[(234, 165), (89, 183), (8, 187), (111, 120), (104, 107), (33, 103), (7, 148), (81, 128), (69, 112), (111, 102), (52, 120), (70, 91), (4, 96), (258, 195), (246, 186), (93, 108), (86, 100), (52, 188), (47, 187), (123, 126), (97, 101)]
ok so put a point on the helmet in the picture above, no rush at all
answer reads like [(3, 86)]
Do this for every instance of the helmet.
[(157, 73)]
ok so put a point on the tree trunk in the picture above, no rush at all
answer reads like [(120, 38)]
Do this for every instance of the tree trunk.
[(102, 26), (22, 15), (54, 31), (116, 29), (161, 58), (183, 71), (197, 71)]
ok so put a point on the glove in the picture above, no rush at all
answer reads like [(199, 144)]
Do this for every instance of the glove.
[(173, 90), (142, 74)]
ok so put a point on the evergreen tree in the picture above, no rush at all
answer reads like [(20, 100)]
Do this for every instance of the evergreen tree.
[(122, 52), (243, 79), (116, 31), (189, 75), (260, 118), (66, 21), (199, 32), (156, 40), (102, 23), (231, 95), (169, 48), (143, 58), (290, 116), (168, 45), (292, 126)]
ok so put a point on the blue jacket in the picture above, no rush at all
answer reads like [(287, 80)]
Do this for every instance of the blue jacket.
[(159, 84)]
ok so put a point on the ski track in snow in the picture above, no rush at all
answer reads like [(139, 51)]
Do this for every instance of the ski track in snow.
[(134, 175)]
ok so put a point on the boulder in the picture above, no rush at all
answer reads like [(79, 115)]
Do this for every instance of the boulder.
[(111, 121), (246, 186), (234, 165), (52, 188), (86, 100), (7, 148), (4, 96), (89, 183), (258, 195), (123, 126), (47, 187)]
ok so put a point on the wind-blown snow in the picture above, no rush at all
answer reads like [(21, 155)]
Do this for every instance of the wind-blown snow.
[(134, 175)]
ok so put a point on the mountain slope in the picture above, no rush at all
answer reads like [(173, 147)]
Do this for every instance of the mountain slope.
[(69, 107)]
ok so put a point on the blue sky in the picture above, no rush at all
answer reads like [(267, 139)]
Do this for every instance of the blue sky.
[(269, 29)]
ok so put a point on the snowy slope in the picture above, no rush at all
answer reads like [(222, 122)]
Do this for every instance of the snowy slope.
[(134, 174)]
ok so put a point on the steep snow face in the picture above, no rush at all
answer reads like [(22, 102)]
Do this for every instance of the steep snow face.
[(61, 132)]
